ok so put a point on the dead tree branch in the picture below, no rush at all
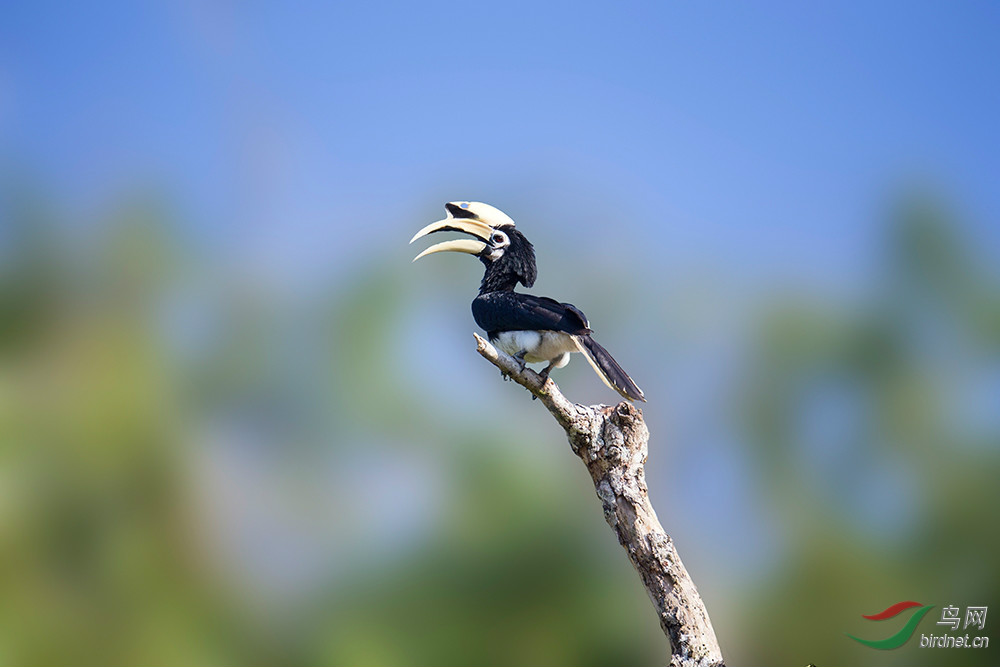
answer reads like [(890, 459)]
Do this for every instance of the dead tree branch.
[(611, 442)]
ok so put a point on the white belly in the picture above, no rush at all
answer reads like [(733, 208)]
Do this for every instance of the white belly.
[(538, 345)]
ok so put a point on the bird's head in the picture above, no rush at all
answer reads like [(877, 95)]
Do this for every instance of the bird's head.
[(509, 257)]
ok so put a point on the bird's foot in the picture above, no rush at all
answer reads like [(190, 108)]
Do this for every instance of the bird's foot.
[(519, 358), (522, 364), (545, 376)]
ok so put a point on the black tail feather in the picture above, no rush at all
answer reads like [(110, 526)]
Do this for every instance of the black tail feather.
[(613, 375)]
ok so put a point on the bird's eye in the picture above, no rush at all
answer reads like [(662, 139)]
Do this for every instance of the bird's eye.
[(498, 238)]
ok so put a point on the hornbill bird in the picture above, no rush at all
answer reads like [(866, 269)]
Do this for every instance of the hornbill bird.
[(530, 328)]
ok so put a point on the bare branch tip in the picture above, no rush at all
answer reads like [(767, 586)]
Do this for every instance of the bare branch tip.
[(683, 617)]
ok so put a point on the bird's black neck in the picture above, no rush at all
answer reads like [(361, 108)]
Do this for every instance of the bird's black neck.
[(495, 281)]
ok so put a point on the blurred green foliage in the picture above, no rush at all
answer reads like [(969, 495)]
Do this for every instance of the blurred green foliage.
[(892, 496), (196, 470), (110, 555)]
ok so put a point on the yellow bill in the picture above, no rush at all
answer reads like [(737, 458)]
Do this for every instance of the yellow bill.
[(473, 227), (458, 245)]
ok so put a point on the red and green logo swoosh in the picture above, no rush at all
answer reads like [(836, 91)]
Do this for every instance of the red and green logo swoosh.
[(901, 637)]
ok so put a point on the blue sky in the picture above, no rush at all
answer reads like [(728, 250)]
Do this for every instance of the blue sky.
[(748, 134)]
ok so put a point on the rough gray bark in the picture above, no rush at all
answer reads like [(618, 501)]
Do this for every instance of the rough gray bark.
[(612, 443)]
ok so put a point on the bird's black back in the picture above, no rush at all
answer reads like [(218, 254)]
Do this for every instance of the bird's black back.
[(511, 311)]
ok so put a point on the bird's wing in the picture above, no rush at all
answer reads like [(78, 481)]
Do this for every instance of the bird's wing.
[(511, 311)]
